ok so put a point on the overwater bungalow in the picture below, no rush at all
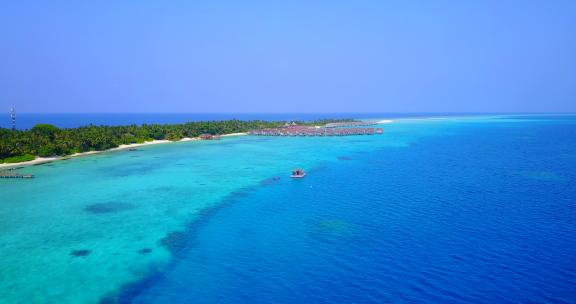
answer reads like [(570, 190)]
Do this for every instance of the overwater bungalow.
[(314, 131)]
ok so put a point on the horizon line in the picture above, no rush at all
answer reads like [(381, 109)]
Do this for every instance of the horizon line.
[(265, 113)]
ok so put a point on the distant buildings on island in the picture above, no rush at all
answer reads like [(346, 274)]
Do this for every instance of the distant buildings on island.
[(331, 129)]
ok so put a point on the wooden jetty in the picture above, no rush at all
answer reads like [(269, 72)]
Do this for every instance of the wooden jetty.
[(314, 131), (11, 174)]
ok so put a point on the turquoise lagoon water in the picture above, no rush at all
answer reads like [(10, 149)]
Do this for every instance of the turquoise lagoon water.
[(459, 210)]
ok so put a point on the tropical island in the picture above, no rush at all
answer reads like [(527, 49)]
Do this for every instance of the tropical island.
[(45, 140)]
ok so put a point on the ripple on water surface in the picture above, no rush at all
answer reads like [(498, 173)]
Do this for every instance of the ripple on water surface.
[(443, 222), (451, 219)]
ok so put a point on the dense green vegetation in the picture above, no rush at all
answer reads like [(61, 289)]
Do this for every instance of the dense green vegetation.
[(18, 159), (321, 122), (47, 140)]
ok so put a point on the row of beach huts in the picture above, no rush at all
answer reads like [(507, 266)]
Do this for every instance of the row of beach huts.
[(315, 131)]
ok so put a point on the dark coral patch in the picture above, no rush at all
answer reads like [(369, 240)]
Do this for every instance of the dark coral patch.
[(239, 193), (130, 169), (110, 207), (80, 253), (173, 241), (144, 251), (270, 181), (112, 299)]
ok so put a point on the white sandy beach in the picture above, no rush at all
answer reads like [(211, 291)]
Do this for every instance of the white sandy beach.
[(41, 160), (234, 134)]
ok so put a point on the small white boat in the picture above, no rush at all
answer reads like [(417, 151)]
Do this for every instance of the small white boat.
[(298, 173)]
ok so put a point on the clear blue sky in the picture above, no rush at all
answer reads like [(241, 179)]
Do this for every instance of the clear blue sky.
[(288, 56)]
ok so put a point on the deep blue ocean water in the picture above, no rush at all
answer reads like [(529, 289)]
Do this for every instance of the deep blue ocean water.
[(485, 213)]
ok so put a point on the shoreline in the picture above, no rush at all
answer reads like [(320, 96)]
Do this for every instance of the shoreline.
[(43, 160), (234, 134)]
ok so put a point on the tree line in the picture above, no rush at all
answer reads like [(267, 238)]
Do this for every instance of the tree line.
[(47, 140)]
